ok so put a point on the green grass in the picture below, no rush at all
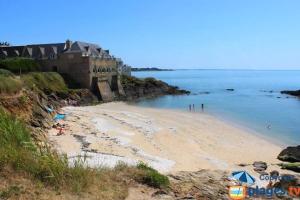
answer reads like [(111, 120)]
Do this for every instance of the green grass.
[(45, 81), (6, 73), (131, 81), (9, 84), (17, 65), (18, 151), (152, 177)]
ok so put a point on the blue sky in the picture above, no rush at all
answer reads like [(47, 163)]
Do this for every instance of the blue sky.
[(246, 34)]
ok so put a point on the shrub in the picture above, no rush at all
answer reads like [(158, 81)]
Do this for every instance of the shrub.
[(16, 65), (5, 72), (9, 85), (152, 177), (45, 81)]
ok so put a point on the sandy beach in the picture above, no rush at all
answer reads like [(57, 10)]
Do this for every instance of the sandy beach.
[(168, 140)]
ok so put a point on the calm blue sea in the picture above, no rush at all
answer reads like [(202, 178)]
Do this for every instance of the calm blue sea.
[(255, 103)]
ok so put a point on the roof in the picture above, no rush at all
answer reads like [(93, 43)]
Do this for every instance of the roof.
[(45, 50)]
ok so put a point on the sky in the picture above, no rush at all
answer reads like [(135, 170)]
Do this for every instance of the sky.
[(178, 34)]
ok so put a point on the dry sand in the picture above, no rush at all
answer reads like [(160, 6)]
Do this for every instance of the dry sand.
[(168, 140)]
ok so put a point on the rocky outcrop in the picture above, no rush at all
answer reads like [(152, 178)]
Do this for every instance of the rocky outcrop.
[(31, 107), (290, 154), (291, 92), (203, 184), (136, 88)]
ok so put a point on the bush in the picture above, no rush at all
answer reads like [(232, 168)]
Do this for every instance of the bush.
[(5, 72), (9, 84), (45, 81), (16, 65), (152, 177)]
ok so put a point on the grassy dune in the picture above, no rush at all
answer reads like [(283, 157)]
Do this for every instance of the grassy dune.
[(9, 84)]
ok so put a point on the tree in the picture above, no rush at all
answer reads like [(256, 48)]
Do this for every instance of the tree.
[(4, 44)]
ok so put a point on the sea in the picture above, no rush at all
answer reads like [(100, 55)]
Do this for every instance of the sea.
[(248, 98)]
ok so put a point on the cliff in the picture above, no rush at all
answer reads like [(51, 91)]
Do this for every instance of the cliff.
[(136, 88)]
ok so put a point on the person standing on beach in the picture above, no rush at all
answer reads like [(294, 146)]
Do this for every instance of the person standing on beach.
[(193, 107), (190, 107), (202, 107)]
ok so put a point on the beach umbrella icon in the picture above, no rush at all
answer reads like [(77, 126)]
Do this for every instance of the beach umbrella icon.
[(243, 177)]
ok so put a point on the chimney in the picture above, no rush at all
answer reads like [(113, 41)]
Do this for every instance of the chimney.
[(68, 44)]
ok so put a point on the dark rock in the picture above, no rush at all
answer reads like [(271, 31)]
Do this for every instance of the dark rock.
[(291, 92), (136, 88), (230, 89), (203, 92), (274, 173), (159, 192), (269, 91), (260, 165), (287, 181), (290, 154), (243, 164)]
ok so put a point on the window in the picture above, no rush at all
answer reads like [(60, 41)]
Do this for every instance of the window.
[(52, 56)]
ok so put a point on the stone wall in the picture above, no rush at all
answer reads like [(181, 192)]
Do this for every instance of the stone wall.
[(88, 72), (76, 66)]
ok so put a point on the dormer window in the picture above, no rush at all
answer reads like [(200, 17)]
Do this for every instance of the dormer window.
[(16, 53), (52, 56)]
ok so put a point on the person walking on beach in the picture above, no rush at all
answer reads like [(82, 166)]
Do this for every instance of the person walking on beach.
[(190, 107), (202, 107), (193, 107)]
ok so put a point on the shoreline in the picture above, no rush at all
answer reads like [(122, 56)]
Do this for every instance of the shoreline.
[(167, 139), (233, 122), (240, 125)]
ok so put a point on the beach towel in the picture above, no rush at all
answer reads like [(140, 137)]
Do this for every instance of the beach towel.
[(50, 110), (59, 116)]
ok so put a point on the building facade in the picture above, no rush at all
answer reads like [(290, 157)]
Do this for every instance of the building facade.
[(86, 63)]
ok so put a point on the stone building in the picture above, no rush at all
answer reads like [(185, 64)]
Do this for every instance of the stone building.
[(87, 64)]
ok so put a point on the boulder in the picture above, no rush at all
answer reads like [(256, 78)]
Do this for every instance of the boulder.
[(203, 184), (290, 154), (260, 165)]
